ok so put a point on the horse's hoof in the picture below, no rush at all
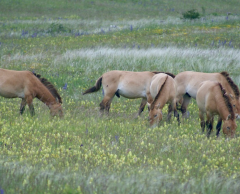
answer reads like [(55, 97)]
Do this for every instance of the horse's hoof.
[(186, 115)]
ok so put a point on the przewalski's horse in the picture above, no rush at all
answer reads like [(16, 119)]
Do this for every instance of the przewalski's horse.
[(124, 83), (26, 85), (188, 83), (163, 90), (212, 99)]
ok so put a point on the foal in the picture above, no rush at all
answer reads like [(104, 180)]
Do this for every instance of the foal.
[(124, 83), (162, 90), (26, 85), (213, 100)]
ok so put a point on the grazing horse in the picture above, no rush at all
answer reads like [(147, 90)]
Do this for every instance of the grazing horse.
[(212, 99), (26, 85), (163, 90), (124, 83), (188, 83)]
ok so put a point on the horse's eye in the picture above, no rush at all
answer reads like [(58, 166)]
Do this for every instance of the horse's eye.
[(155, 116), (234, 105), (228, 128)]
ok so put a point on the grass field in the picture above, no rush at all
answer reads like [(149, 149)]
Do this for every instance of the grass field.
[(72, 43)]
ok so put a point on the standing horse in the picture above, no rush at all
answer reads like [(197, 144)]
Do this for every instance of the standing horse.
[(124, 83), (26, 85), (213, 100), (163, 90), (188, 83)]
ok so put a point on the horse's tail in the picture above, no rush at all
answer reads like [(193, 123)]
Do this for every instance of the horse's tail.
[(231, 83), (159, 92), (49, 86), (95, 88), (170, 74)]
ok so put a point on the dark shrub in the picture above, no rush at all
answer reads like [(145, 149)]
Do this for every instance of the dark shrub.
[(191, 14)]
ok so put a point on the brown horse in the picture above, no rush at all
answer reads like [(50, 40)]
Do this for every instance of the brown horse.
[(212, 99), (124, 83), (162, 90), (26, 85), (188, 83)]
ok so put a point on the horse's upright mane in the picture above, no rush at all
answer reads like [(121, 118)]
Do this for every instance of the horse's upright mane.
[(231, 83), (154, 102), (170, 74), (49, 86), (227, 101)]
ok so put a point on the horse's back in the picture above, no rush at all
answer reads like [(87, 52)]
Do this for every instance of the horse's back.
[(168, 91), (13, 83), (157, 81), (128, 84), (189, 81), (206, 95)]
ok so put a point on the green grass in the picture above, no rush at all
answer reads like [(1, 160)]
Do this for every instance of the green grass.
[(75, 42)]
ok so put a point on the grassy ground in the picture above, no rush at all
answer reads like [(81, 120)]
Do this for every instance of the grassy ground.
[(72, 43)]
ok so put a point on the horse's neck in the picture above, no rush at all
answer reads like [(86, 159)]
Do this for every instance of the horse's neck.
[(227, 86), (222, 108), (43, 94)]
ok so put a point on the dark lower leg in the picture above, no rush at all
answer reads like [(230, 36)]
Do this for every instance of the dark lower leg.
[(31, 108), (186, 101), (219, 124), (177, 115), (142, 106), (209, 127), (170, 109), (22, 106)]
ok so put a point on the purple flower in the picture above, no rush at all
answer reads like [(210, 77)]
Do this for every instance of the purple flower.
[(34, 35), (1, 191), (77, 34), (131, 28), (65, 86), (117, 137)]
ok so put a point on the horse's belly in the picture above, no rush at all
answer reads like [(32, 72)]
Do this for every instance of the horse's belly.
[(9, 94), (132, 94)]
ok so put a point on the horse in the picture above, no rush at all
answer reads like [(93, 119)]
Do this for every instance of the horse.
[(128, 84), (212, 99), (188, 83), (163, 90), (27, 85)]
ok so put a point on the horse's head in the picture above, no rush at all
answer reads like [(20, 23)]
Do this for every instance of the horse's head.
[(236, 105), (155, 115), (56, 110), (229, 127)]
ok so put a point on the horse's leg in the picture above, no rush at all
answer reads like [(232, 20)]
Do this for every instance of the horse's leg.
[(202, 122), (209, 124), (170, 109), (22, 106), (186, 101), (219, 124), (176, 112), (105, 104), (142, 106), (29, 101)]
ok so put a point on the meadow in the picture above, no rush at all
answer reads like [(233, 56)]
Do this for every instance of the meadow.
[(72, 43)]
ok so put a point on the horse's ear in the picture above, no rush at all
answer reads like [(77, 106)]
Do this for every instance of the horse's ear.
[(228, 117), (158, 106)]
